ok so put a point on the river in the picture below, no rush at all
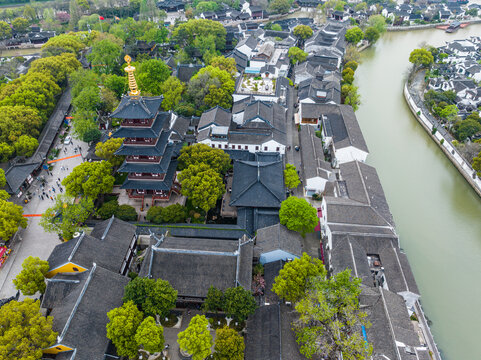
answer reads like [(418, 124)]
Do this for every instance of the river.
[(438, 215)]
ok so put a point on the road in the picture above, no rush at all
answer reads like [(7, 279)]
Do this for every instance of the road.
[(34, 241)]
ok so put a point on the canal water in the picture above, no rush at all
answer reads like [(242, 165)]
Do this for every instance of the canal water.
[(438, 215)]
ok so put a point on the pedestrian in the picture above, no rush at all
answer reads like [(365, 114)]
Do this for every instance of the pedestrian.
[(51, 198), (42, 198), (53, 189), (59, 180), (61, 190), (61, 168), (43, 193), (67, 168)]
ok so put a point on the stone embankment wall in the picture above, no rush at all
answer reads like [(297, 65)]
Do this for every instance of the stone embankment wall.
[(427, 26), (443, 142)]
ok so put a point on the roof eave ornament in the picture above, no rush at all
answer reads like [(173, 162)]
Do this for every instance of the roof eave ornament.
[(129, 69)]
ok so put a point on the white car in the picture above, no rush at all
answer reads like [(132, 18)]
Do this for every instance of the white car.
[(67, 140)]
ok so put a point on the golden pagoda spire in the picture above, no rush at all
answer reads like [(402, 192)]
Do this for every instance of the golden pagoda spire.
[(134, 90)]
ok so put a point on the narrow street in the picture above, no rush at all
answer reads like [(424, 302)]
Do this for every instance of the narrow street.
[(34, 241), (293, 156)]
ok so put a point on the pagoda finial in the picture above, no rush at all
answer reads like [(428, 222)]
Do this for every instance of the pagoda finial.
[(134, 91)]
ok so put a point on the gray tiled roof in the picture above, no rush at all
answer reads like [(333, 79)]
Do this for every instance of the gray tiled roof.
[(258, 184), (147, 167), (215, 116), (143, 107), (278, 237), (108, 252), (165, 184), (320, 91), (81, 319), (313, 154), (156, 150), (192, 265), (263, 334), (161, 123), (17, 174)]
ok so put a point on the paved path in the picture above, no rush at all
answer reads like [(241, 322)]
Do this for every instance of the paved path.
[(34, 241)]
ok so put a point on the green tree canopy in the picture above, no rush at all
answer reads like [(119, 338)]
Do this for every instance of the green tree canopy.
[(477, 164), (3, 180), (127, 213), (12, 219), (354, 35), (210, 87), (122, 327), (24, 331), (330, 319), (291, 179), (32, 277), (378, 22), (105, 56), (214, 300), (239, 303), (88, 99), (303, 32), (107, 149), (298, 215), (172, 90), (20, 24), (59, 67), (5, 30), (6, 151), (174, 213), (151, 74), (466, 128), (229, 345), (347, 76), (223, 63), (196, 339), (150, 336), (186, 33), (351, 65), (66, 216), (117, 84), (296, 55), (108, 209), (90, 179), (154, 214), (279, 6), (153, 297), (26, 145), (202, 185), (371, 34), (197, 154), (349, 96), (63, 43), (421, 57), (17, 121), (292, 282)]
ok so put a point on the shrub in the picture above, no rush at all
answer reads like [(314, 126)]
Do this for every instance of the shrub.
[(154, 214), (108, 209), (175, 213), (126, 213)]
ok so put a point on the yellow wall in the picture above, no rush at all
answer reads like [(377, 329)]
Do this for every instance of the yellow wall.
[(66, 268), (58, 348)]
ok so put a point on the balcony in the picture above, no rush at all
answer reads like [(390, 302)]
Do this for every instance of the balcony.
[(137, 123), (140, 141), (145, 176), (143, 159)]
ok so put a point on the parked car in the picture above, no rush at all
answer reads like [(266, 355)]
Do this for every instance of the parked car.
[(67, 140)]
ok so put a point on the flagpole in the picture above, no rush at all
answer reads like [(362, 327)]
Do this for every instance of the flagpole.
[(100, 22)]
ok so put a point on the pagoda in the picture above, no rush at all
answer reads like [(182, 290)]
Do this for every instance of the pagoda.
[(150, 156)]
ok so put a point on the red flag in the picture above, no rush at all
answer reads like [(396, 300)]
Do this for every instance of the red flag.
[(101, 18)]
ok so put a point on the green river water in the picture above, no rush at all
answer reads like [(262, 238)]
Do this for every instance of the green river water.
[(438, 215)]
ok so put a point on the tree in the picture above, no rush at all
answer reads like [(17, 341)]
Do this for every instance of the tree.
[(5, 30), (17, 121), (150, 336), (26, 145), (154, 214), (202, 185), (24, 331), (87, 100), (5, 151), (239, 303), (303, 32), (105, 56), (62, 43), (90, 179), (59, 67), (421, 58), (108, 209), (32, 277), (467, 128), (377, 21), (12, 219), (107, 149), (196, 339), (223, 63), (279, 6), (298, 215), (214, 300), (229, 345), (354, 35), (154, 297), (172, 90), (210, 87), (116, 83), (20, 24), (291, 179), (67, 216), (371, 34), (174, 213), (75, 13), (477, 164), (449, 112), (127, 213), (3, 180), (296, 55), (293, 279), (347, 76), (122, 327), (186, 33), (197, 154), (351, 65), (349, 96), (330, 318), (352, 54), (151, 74)]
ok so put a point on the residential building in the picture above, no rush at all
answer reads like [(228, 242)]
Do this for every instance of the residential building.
[(276, 242)]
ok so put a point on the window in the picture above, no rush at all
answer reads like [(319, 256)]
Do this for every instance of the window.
[(239, 147), (257, 147), (219, 146), (265, 148), (278, 148), (226, 146), (233, 147), (75, 269), (246, 147), (213, 145)]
